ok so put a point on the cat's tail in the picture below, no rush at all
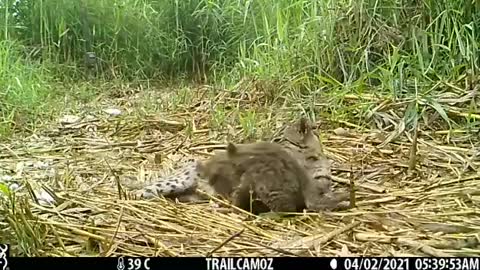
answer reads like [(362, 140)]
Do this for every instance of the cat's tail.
[(181, 181)]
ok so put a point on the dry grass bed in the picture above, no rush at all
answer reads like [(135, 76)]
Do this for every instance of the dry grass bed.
[(431, 211)]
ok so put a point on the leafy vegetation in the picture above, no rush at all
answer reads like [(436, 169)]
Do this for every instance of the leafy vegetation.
[(394, 49)]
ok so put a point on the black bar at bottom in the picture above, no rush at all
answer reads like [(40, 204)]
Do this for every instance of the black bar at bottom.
[(249, 263)]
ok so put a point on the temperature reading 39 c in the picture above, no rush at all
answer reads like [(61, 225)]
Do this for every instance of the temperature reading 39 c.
[(136, 264), (133, 264)]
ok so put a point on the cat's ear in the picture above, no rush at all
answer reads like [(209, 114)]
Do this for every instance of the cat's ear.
[(309, 138), (304, 125), (231, 149)]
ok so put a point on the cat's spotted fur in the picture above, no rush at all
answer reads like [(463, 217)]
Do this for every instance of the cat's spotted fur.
[(298, 141), (262, 176)]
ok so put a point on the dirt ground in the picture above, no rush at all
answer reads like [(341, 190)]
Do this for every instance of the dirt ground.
[(432, 210)]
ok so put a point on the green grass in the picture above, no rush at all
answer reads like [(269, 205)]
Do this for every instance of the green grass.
[(24, 95), (394, 49)]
